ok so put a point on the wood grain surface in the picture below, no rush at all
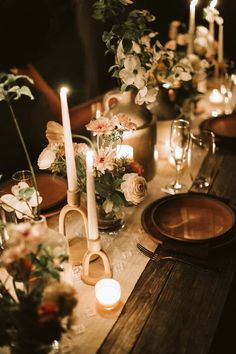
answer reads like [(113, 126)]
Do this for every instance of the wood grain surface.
[(175, 308)]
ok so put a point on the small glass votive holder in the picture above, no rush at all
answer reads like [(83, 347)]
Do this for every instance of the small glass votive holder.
[(23, 176), (108, 293)]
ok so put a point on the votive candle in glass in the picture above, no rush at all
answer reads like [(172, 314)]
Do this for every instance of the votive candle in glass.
[(108, 293)]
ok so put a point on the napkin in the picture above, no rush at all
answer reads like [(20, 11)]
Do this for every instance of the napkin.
[(200, 250)]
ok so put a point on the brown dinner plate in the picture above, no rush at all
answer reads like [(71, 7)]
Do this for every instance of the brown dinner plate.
[(192, 217), (224, 128), (53, 190)]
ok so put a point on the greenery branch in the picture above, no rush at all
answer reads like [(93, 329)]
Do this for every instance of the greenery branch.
[(10, 90)]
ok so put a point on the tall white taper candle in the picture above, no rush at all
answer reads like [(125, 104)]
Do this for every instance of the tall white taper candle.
[(221, 41), (69, 150), (191, 29), (212, 6), (91, 200)]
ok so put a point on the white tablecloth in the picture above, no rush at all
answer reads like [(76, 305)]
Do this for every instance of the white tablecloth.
[(126, 261)]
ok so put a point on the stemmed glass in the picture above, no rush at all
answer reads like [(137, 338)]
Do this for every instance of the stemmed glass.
[(202, 145), (179, 146)]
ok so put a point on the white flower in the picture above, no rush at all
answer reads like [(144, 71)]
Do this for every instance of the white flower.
[(54, 133), (46, 158), (126, 2), (134, 188), (170, 44), (125, 122), (146, 40), (146, 95), (182, 70), (202, 31), (120, 53), (104, 160), (23, 239), (211, 13), (22, 200), (133, 73), (108, 206), (149, 17), (201, 46)]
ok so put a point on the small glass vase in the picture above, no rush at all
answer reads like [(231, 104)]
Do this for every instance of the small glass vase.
[(111, 222)]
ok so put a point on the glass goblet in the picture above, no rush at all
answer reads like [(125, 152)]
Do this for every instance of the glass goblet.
[(202, 145), (179, 146), (23, 176)]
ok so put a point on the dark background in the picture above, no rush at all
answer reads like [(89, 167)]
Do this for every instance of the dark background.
[(75, 56)]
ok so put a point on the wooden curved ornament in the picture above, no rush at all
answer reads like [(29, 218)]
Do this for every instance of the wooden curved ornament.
[(80, 246), (86, 274)]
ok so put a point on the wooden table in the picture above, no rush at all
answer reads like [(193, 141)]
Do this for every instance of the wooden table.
[(174, 307)]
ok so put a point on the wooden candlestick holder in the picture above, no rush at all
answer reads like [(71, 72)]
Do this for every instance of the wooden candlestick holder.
[(94, 249), (90, 249), (73, 204)]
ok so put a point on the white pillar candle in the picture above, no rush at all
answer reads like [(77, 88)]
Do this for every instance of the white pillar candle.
[(191, 25), (69, 150), (212, 23), (108, 293), (91, 200), (124, 151), (221, 41)]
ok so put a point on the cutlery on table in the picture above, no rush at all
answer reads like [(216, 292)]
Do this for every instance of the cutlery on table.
[(156, 257)]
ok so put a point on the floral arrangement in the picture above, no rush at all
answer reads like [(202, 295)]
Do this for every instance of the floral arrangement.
[(118, 180), (36, 307), (178, 41), (24, 200), (200, 60), (142, 63)]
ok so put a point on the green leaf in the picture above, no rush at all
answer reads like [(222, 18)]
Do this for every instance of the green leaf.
[(26, 193), (127, 45), (117, 199), (24, 90)]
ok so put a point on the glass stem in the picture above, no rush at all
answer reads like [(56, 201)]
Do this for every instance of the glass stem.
[(178, 168)]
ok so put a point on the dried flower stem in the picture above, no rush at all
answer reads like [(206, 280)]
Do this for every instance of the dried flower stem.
[(26, 154)]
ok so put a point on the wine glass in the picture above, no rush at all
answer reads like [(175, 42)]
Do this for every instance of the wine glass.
[(23, 176), (202, 145), (179, 146)]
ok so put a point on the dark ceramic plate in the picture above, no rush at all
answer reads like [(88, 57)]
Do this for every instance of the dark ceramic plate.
[(53, 190), (192, 217), (224, 128)]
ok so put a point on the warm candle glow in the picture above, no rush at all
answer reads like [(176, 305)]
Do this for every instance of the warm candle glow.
[(220, 40), (216, 113), (215, 96), (69, 150), (213, 4), (108, 293), (124, 151), (91, 199), (191, 25), (178, 153), (194, 2)]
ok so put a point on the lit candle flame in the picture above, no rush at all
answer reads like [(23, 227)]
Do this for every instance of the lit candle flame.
[(64, 90), (213, 4), (194, 2)]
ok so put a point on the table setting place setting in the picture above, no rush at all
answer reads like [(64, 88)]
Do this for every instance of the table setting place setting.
[(149, 186)]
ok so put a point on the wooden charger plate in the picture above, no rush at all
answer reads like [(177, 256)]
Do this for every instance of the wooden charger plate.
[(192, 217), (224, 128), (53, 190)]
